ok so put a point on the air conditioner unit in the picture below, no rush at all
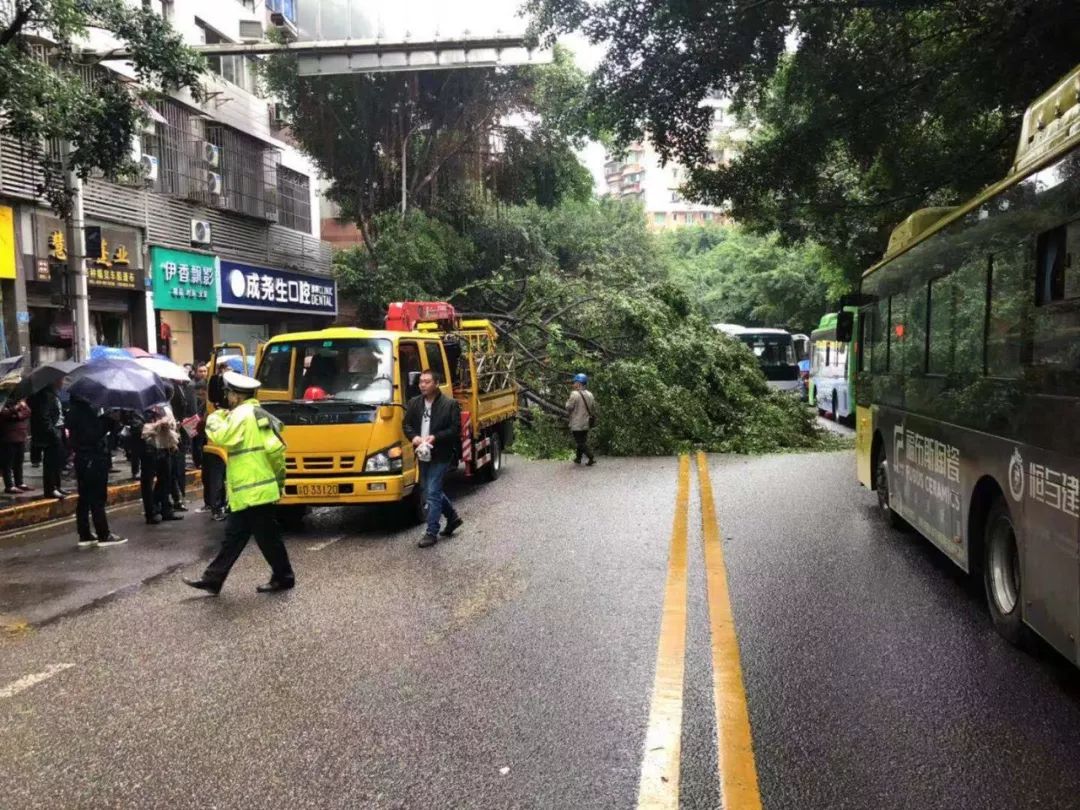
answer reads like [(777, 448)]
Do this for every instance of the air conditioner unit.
[(213, 182), (149, 165), (211, 154), (200, 232), (251, 31), (278, 118)]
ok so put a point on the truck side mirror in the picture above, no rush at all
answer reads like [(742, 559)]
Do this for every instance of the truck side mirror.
[(845, 326)]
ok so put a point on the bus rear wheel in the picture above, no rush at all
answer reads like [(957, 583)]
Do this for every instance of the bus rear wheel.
[(1001, 573), (881, 484)]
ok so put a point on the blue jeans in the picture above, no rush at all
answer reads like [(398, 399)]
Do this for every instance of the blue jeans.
[(431, 478)]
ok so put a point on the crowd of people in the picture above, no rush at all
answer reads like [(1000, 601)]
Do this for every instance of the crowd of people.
[(63, 433)]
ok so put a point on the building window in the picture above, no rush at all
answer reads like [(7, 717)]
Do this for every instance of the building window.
[(294, 200), (659, 217), (234, 68)]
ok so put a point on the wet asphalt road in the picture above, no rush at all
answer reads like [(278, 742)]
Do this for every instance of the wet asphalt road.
[(513, 665)]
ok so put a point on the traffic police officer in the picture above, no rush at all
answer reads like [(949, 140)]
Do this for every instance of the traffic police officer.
[(255, 475)]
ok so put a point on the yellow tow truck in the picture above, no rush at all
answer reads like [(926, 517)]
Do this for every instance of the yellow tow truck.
[(341, 395)]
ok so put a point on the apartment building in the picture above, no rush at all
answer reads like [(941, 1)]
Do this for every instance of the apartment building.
[(639, 175), (218, 241)]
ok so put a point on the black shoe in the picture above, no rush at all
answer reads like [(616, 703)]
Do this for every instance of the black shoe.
[(88, 542), (112, 540), (153, 520), (590, 462), (427, 541), (204, 585), (179, 507), (218, 515), (577, 460), (63, 493), (276, 585), (452, 526), (172, 516), (56, 493)]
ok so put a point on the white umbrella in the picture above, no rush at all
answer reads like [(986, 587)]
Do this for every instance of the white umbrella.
[(166, 369)]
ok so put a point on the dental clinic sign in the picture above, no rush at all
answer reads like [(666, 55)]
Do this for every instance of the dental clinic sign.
[(246, 287)]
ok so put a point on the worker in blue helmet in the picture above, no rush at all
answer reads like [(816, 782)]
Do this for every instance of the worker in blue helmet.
[(581, 413)]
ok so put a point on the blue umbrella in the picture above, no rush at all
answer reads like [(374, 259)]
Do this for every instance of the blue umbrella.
[(119, 384), (108, 353), (237, 363)]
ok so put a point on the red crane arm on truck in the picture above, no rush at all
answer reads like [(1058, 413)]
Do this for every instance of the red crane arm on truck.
[(403, 316)]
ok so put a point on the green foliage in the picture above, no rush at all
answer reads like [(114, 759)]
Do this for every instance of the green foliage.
[(358, 127), (43, 101), (740, 277), (879, 109), (583, 287)]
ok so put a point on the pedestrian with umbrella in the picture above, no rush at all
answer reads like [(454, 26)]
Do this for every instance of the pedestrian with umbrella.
[(125, 385), (47, 434), (14, 428), (256, 478), (89, 428)]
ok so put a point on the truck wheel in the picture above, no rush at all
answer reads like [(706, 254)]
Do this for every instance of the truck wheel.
[(1001, 574), (291, 517), (414, 508), (881, 484), (494, 466)]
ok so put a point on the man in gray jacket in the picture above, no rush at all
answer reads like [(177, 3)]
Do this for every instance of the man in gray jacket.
[(581, 411)]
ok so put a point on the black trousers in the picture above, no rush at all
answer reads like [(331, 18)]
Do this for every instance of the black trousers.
[(262, 522), (213, 477), (11, 456), (92, 476), (197, 445), (581, 439), (52, 460), (156, 482), (179, 476)]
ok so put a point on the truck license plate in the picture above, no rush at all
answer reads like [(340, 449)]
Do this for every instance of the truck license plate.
[(316, 490)]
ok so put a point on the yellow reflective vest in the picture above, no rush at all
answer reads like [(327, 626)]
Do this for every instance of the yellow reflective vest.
[(255, 467)]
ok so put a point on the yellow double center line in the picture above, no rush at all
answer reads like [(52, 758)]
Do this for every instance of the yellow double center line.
[(659, 786)]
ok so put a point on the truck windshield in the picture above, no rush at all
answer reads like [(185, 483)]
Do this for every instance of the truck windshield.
[(348, 369)]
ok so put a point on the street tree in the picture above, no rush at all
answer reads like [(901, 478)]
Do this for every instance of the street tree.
[(864, 110), (52, 91), (448, 125)]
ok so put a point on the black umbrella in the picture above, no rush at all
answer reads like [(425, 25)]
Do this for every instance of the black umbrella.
[(120, 384), (43, 376)]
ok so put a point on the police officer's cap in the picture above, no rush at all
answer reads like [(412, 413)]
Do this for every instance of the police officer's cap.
[(241, 383)]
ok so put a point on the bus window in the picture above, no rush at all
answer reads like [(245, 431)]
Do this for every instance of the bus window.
[(939, 337), (898, 331), (1050, 281), (1009, 293), (915, 332), (879, 336), (1055, 326), (969, 295)]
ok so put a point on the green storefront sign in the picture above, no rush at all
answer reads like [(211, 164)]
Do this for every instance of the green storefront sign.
[(184, 280)]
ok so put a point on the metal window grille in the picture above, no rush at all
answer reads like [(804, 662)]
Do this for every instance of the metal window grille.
[(248, 171), (294, 200), (181, 170)]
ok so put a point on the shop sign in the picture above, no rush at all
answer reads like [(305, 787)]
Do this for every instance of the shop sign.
[(112, 254), (7, 242), (247, 287), (184, 280)]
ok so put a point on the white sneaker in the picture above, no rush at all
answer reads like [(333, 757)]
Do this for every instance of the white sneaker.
[(112, 540), (85, 544)]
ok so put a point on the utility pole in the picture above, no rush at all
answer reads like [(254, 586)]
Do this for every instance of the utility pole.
[(76, 286)]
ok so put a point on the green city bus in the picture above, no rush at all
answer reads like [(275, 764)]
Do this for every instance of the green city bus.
[(832, 370), (968, 379)]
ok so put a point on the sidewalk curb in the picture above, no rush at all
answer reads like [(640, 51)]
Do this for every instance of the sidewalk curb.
[(46, 509)]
